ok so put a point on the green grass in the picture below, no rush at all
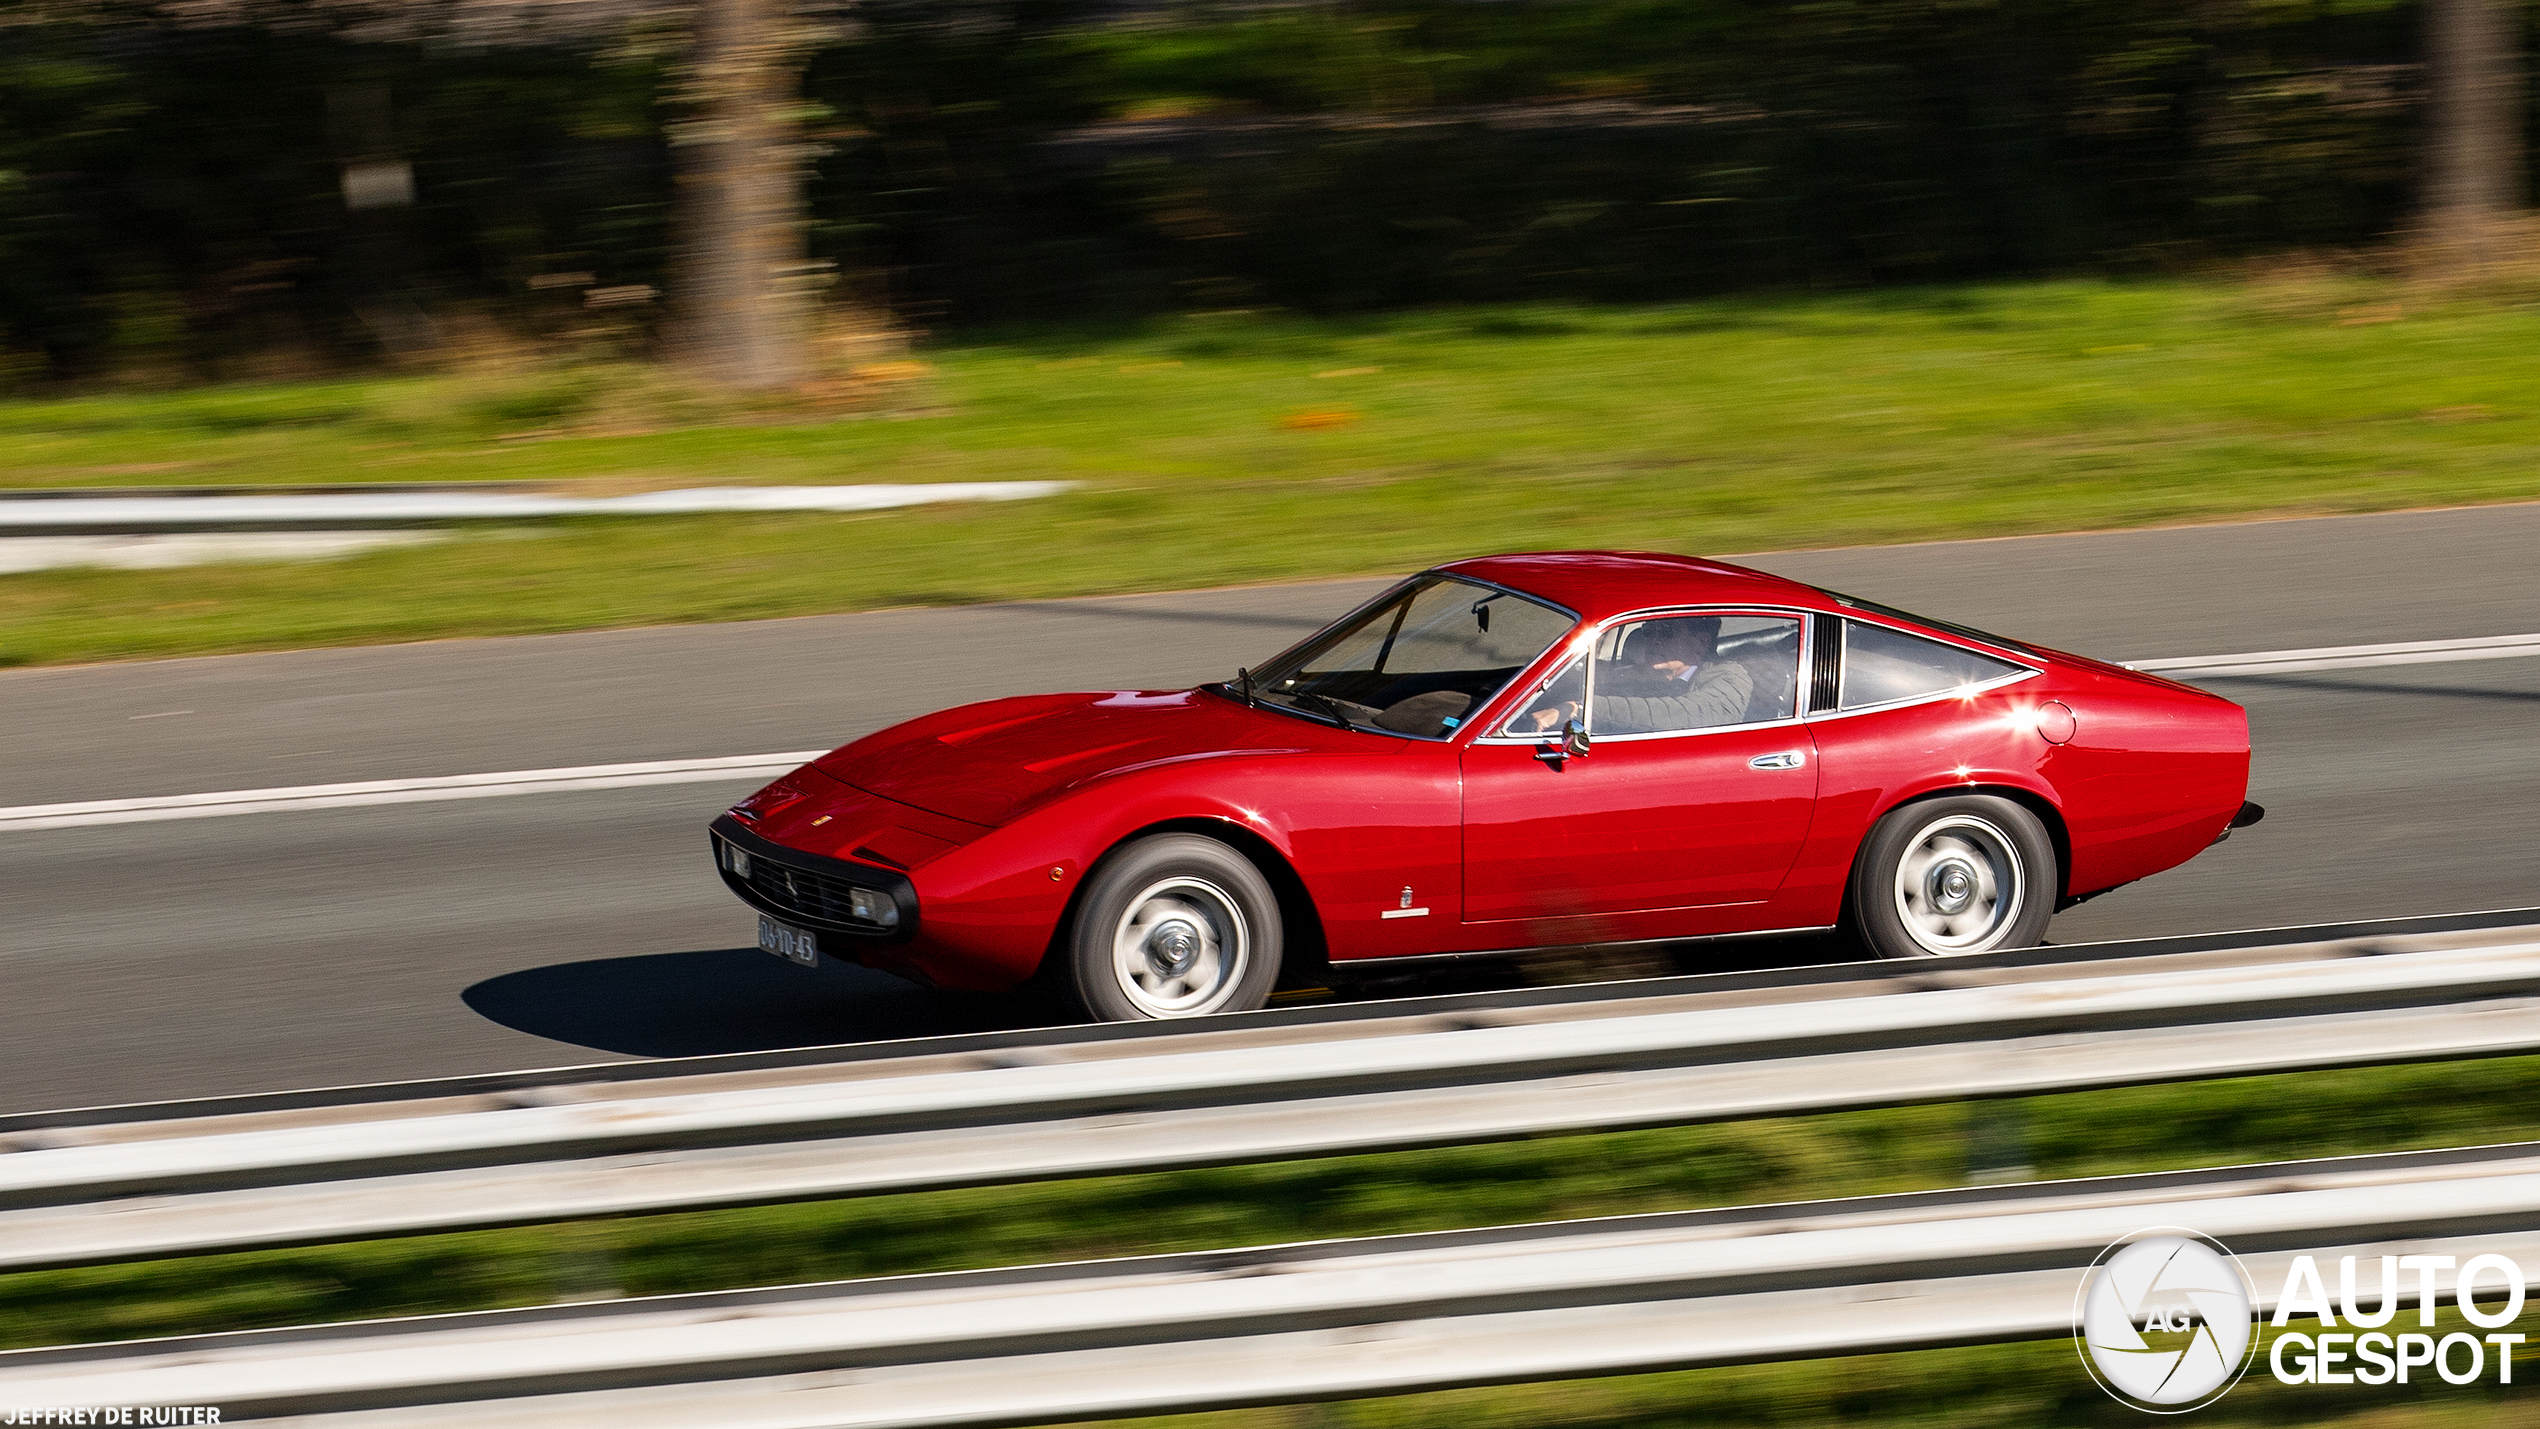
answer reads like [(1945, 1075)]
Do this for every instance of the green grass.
[(2076, 1134), (1718, 427)]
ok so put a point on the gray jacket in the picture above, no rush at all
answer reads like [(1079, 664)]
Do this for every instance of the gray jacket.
[(1631, 700)]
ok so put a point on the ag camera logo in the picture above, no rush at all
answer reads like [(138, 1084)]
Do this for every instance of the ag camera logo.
[(2163, 1320)]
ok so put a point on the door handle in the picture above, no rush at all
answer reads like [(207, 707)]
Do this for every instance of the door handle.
[(1787, 759)]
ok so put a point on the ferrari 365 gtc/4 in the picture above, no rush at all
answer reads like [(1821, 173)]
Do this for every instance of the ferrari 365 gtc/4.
[(1499, 754)]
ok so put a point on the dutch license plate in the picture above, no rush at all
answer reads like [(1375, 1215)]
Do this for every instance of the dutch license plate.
[(786, 941)]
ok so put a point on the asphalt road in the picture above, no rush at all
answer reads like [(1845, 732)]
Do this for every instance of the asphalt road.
[(199, 957)]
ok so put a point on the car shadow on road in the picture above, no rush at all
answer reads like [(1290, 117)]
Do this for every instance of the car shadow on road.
[(742, 1000), (730, 1000)]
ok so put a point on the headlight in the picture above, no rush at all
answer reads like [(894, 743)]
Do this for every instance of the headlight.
[(875, 908), (736, 860)]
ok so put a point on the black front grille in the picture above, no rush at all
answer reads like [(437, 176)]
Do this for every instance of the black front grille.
[(800, 890), (808, 889)]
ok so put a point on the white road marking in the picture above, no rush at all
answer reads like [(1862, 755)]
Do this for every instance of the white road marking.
[(164, 551), (401, 791), (2342, 657), (745, 766), (138, 513)]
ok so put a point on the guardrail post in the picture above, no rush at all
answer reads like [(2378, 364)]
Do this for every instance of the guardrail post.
[(1996, 1138), (582, 1265)]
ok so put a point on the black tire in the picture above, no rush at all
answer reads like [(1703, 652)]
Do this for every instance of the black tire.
[(1174, 926), (1971, 873)]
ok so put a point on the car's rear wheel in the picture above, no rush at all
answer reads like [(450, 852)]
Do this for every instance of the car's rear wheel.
[(1947, 877), (1175, 926)]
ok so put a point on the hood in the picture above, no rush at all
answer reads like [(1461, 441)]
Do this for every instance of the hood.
[(983, 763)]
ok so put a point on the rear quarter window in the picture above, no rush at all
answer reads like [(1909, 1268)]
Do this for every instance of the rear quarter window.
[(1881, 666)]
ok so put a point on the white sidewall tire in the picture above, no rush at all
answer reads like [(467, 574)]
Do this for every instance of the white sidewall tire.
[(1969, 873), (1174, 926)]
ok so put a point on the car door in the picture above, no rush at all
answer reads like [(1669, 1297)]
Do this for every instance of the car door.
[(1685, 798)]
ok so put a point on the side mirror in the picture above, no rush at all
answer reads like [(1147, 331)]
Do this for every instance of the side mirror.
[(1557, 753)]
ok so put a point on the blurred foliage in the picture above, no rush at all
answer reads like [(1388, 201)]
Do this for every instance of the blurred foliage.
[(169, 198)]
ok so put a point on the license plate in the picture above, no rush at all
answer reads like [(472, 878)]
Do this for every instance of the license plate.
[(786, 941)]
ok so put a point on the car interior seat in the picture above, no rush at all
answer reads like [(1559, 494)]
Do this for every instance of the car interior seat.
[(1774, 665)]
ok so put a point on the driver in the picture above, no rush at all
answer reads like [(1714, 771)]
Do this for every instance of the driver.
[(1673, 679)]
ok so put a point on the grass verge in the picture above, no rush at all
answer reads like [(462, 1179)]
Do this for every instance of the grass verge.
[(1226, 448)]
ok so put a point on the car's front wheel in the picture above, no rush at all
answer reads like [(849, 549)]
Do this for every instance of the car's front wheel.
[(1945, 877), (1175, 926)]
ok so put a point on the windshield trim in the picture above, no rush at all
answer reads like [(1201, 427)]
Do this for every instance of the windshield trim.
[(1808, 616), (1233, 689)]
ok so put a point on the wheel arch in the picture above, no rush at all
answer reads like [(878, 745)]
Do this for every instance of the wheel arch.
[(1305, 952), (2057, 834)]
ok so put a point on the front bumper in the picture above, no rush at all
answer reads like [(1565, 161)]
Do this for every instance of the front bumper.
[(809, 890)]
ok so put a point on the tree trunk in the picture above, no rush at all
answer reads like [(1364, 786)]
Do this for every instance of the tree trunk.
[(740, 286), (2474, 138)]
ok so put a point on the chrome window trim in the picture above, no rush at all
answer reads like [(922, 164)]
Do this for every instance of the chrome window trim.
[(1954, 692), (1578, 645), (2025, 671), (1587, 644), (1983, 641), (1373, 602), (1812, 623), (1681, 733)]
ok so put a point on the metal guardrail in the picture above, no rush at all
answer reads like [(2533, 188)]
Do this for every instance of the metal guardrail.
[(1336, 1319), (121, 1189), (1793, 980)]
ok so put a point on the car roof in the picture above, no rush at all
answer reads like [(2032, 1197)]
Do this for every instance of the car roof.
[(1598, 584)]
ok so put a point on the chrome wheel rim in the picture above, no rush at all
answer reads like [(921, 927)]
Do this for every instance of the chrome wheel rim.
[(1959, 886), (1180, 948)]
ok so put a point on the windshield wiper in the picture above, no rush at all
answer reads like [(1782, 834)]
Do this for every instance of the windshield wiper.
[(1325, 703)]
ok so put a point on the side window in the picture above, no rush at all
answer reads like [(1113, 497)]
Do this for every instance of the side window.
[(1688, 672), (1880, 665), (1553, 706)]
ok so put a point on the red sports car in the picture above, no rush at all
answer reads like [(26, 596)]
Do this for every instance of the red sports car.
[(1516, 752)]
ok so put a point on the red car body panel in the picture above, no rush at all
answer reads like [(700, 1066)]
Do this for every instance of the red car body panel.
[(994, 813), (1608, 835)]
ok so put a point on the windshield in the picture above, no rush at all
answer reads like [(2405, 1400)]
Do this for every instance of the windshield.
[(1416, 663)]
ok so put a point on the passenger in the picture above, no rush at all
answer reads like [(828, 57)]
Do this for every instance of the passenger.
[(1672, 680)]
